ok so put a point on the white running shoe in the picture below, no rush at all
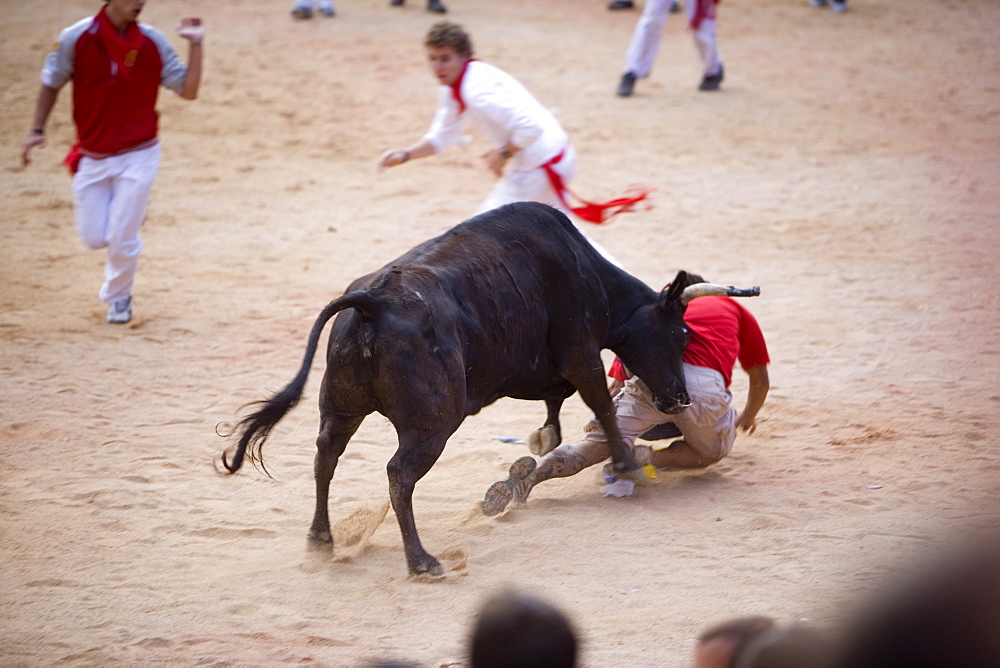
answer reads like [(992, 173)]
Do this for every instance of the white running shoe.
[(120, 312)]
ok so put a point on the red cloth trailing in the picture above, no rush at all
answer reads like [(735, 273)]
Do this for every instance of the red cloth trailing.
[(594, 212)]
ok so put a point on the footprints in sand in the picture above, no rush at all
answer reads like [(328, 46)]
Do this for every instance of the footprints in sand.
[(53, 582), (859, 434), (227, 533), (242, 609)]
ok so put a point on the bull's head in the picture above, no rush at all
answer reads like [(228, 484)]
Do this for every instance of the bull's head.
[(657, 337)]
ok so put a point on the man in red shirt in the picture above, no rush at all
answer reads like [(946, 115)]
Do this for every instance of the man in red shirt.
[(117, 66), (722, 332)]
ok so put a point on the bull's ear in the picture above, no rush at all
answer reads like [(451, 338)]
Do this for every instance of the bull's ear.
[(672, 294)]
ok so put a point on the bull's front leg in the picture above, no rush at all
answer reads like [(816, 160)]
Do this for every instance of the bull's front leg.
[(411, 462), (622, 456), (599, 401)]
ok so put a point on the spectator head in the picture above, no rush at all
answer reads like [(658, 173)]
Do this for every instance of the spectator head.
[(947, 613), (789, 647), (718, 645), (514, 629)]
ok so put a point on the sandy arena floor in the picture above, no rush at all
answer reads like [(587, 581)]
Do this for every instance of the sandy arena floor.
[(850, 167)]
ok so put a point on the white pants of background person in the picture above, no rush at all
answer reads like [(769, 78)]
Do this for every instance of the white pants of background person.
[(534, 186), (111, 196), (325, 6), (648, 33)]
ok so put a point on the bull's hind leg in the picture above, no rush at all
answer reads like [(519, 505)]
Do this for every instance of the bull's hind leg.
[(417, 452), (547, 438), (334, 433)]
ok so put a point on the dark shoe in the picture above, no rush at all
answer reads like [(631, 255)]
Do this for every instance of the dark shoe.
[(627, 85), (436, 7), (661, 432), (302, 13), (396, 3), (675, 7), (621, 4), (713, 82), (502, 492)]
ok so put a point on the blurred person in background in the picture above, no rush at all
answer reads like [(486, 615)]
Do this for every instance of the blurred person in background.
[(116, 65)]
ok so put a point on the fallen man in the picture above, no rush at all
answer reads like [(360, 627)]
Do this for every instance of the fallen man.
[(722, 332)]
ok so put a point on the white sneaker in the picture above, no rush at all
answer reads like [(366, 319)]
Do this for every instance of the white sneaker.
[(120, 312), (326, 9)]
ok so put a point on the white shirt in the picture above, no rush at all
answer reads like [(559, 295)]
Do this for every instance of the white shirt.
[(504, 110)]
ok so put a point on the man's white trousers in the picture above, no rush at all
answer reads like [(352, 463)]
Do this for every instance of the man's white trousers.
[(111, 196)]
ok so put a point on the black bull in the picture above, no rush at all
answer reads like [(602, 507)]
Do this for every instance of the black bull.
[(512, 303)]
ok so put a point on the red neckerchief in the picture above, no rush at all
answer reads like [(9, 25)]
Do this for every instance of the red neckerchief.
[(592, 212), (456, 88), (703, 9), (123, 49)]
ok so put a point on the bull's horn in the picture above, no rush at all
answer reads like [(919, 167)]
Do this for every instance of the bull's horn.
[(706, 289)]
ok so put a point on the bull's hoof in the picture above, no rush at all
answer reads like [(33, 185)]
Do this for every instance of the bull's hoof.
[(624, 469), (429, 566), (543, 440), (320, 541)]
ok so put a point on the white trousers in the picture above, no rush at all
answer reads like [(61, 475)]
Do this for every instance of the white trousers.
[(534, 186), (708, 425), (111, 197), (648, 32)]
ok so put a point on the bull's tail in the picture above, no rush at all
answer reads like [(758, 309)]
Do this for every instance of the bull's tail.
[(256, 427)]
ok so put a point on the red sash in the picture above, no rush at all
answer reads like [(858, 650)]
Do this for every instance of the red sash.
[(594, 212), (72, 159), (703, 9), (77, 153)]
